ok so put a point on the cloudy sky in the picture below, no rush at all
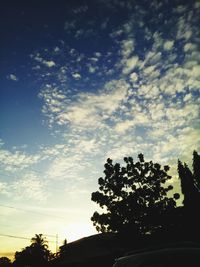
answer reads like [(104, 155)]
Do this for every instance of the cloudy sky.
[(82, 81)]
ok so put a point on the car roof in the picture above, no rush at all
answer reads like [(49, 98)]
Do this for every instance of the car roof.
[(161, 257)]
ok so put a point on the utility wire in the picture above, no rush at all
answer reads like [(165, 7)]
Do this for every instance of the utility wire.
[(55, 236), (34, 212), (8, 225), (21, 237), (13, 236)]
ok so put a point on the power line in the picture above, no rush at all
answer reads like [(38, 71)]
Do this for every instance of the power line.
[(13, 236), (21, 237), (8, 225), (29, 211)]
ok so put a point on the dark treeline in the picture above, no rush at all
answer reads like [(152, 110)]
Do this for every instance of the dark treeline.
[(141, 209)]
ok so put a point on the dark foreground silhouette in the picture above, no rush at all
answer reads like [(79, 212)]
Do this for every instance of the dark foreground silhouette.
[(163, 257), (141, 215)]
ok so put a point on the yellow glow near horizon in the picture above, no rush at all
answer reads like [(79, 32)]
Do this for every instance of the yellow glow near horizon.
[(72, 231), (79, 230)]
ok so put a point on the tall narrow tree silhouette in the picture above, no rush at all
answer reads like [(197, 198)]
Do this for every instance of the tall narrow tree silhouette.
[(190, 186), (196, 169), (134, 198), (190, 182)]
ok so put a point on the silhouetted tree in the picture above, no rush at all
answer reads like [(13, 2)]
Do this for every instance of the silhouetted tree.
[(196, 169), (133, 197), (35, 255), (190, 186), (39, 241), (190, 182), (63, 249), (5, 262)]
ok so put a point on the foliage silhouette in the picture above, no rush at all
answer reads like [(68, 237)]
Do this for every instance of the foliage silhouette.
[(63, 249), (190, 182), (5, 262), (190, 186), (135, 201), (35, 255), (135, 197)]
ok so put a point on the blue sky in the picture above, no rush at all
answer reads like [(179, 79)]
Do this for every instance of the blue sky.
[(82, 81)]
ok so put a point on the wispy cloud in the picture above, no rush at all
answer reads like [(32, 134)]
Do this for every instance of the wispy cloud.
[(87, 109), (29, 187), (12, 161)]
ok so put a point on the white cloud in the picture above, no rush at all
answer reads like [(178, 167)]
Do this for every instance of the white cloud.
[(196, 71), (127, 47), (56, 49), (149, 91), (4, 188), (68, 167), (152, 57), (184, 143), (117, 33), (149, 70), (89, 109), (189, 46), (168, 45), (92, 69), (157, 111), (49, 63), (184, 30), (29, 187), (116, 153), (12, 77), (76, 75), (129, 64), (94, 59), (12, 161), (158, 40), (98, 54), (123, 126), (50, 152), (133, 77), (187, 97)]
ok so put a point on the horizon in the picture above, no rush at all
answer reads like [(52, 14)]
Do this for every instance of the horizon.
[(83, 81)]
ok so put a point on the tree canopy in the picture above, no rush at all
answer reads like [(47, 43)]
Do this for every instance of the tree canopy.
[(5, 262), (133, 197), (35, 255)]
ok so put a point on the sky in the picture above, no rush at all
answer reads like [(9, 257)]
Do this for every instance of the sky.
[(82, 81)]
